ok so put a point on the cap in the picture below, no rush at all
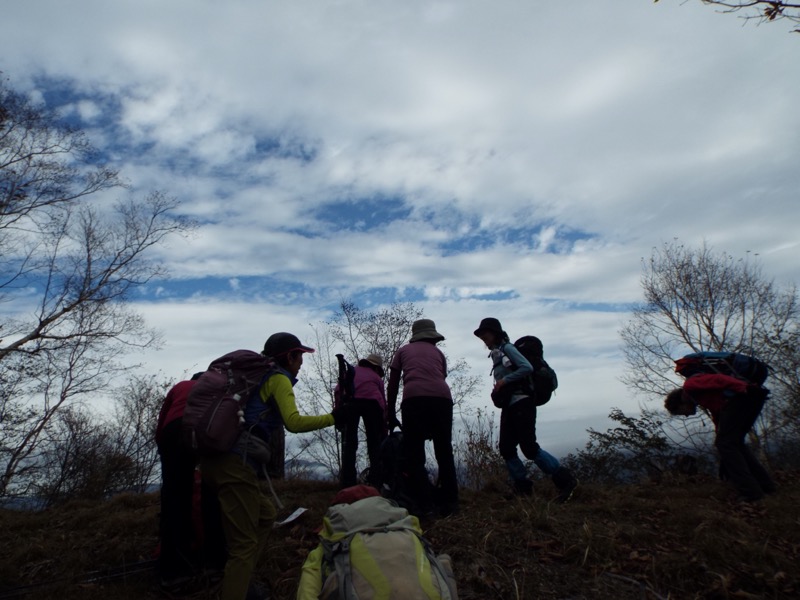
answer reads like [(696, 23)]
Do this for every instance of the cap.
[(282, 343)]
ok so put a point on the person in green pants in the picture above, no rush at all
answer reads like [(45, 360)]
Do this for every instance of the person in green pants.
[(240, 477)]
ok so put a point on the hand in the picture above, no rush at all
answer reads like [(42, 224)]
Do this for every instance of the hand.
[(501, 395), (340, 416)]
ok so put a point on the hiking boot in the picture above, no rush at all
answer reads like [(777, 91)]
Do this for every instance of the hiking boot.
[(566, 484), (565, 494)]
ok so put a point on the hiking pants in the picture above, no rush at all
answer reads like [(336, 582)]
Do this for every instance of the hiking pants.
[(743, 470), (518, 428), (247, 518), (176, 558), (372, 414), (429, 418)]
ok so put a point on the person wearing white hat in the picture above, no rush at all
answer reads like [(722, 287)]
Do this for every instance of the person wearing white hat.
[(368, 404), (427, 411)]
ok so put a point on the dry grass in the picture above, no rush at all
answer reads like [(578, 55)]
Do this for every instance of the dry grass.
[(686, 539)]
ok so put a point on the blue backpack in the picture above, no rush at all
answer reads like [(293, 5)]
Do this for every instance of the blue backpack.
[(733, 364)]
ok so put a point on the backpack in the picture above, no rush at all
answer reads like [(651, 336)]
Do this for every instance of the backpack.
[(394, 482), (543, 381), (734, 364), (214, 414), (346, 382), (372, 548)]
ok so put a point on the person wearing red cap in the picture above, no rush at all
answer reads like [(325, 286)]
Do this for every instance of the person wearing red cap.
[(734, 406), (247, 512)]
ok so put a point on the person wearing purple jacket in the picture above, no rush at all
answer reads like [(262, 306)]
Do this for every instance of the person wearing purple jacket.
[(427, 411), (368, 404)]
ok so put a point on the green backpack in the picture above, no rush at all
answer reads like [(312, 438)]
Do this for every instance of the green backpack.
[(374, 549)]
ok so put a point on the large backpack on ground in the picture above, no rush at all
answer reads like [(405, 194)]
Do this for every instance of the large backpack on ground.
[(395, 483), (733, 364), (214, 415), (544, 381), (374, 549)]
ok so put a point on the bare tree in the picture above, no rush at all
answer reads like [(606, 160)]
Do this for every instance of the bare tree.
[(361, 332), (79, 459), (762, 11), (69, 261), (136, 407), (697, 300), (356, 332)]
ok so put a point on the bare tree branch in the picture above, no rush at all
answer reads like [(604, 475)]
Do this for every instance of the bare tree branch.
[(69, 262)]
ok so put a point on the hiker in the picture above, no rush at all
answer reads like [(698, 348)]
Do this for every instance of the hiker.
[(181, 553), (371, 548), (518, 417), (427, 411), (368, 403), (248, 513), (734, 406)]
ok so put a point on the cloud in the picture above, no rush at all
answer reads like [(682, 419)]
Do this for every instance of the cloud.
[(508, 159)]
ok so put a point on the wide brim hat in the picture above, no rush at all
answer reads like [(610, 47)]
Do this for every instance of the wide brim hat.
[(425, 329), (376, 361), (489, 324)]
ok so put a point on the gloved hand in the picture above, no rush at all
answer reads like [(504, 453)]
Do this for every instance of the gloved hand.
[(340, 416)]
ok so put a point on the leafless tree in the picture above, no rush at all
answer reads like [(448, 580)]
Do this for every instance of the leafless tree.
[(762, 11), (79, 459), (135, 414), (69, 260), (356, 332), (696, 300)]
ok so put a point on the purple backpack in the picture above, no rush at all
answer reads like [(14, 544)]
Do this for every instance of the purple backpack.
[(214, 415)]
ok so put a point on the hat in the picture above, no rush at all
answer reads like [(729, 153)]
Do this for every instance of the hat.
[(282, 343), (489, 324), (354, 493), (373, 360), (425, 329)]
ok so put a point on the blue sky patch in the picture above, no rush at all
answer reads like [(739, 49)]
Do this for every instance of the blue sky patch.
[(362, 214), (283, 146)]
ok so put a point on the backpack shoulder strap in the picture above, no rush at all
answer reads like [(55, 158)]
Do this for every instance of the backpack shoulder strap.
[(510, 356)]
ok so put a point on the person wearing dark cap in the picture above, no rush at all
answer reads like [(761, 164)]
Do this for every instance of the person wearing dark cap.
[(368, 404), (427, 411), (248, 513), (518, 417)]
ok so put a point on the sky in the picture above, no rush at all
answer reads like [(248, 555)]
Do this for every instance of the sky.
[(506, 158)]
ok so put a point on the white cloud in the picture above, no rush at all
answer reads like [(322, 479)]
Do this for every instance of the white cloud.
[(548, 149)]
